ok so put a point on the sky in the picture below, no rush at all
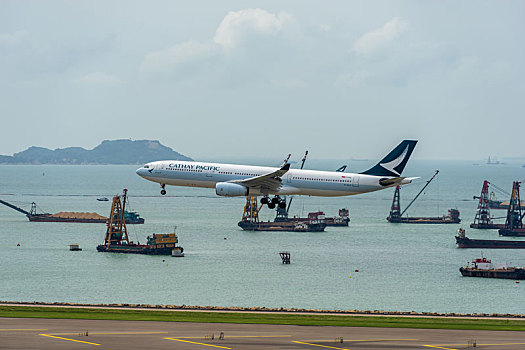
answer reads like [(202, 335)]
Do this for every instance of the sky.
[(342, 79)]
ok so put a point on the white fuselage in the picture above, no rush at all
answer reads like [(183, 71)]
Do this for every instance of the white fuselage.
[(295, 181)]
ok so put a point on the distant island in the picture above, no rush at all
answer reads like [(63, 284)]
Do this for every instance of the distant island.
[(108, 152)]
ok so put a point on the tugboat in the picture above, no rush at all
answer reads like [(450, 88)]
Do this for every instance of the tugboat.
[(483, 267)]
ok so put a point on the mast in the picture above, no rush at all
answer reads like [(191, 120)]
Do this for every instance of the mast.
[(395, 209), (483, 212), (514, 213), (117, 232), (251, 210)]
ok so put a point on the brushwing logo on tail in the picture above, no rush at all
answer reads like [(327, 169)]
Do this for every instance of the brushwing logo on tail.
[(391, 166)]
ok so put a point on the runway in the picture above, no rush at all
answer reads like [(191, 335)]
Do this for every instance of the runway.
[(25, 333)]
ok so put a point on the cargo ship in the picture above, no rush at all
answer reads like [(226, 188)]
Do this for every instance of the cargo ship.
[(483, 267), (464, 242), (117, 239), (65, 216)]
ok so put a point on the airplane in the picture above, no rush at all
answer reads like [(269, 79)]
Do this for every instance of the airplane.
[(230, 180)]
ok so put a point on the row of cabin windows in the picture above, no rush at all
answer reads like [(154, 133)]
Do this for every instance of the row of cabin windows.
[(311, 179), (192, 170)]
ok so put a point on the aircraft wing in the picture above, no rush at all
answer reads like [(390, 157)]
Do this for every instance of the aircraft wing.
[(271, 181)]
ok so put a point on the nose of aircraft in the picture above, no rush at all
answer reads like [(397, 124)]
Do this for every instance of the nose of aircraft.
[(141, 172)]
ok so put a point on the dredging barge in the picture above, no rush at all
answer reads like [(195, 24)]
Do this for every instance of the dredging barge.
[(464, 242), (396, 216), (483, 219), (33, 215), (483, 267), (117, 239)]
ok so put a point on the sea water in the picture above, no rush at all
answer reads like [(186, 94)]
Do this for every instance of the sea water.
[(400, 267)]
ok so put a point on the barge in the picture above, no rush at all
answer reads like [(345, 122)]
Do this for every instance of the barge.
[(396, 215), (117, 239), (483, 267), (33, 215), (250, 220), (464, 242)]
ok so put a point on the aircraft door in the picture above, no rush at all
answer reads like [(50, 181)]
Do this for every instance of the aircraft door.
[(288, 178), (355, 181)]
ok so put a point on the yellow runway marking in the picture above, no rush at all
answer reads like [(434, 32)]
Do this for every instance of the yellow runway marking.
[(78, 341), (192, 342), (322, 346), (111, 333), (257, 336), (242, 336), (20, 329), (363, 340), (478, 344)]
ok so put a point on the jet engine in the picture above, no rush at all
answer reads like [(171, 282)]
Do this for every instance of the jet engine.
[(228, 189)]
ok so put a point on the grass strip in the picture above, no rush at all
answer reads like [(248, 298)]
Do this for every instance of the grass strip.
[(262, 318)]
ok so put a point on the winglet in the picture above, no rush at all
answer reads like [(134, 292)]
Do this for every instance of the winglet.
[(394, 163), (285, 167)]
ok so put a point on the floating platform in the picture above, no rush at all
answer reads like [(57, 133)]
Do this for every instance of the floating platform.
[(483, 267)]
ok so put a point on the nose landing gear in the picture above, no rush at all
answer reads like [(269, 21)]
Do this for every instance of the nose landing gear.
[(163, 190)]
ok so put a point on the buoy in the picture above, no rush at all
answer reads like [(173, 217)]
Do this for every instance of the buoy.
[(349, 276), (166, 264), (163, 260), (356, 270), (517, 281), (18, 245)]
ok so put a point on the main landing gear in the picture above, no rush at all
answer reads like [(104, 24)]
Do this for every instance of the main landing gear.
[(275, 201), (163, 190)]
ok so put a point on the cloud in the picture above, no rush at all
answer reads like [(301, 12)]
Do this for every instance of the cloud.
[(98, 79), (11, 39), (380, 38), (353, 78), (237, 25), (171, 59)]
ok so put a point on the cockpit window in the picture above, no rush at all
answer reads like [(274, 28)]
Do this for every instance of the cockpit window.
[(146, 166)]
